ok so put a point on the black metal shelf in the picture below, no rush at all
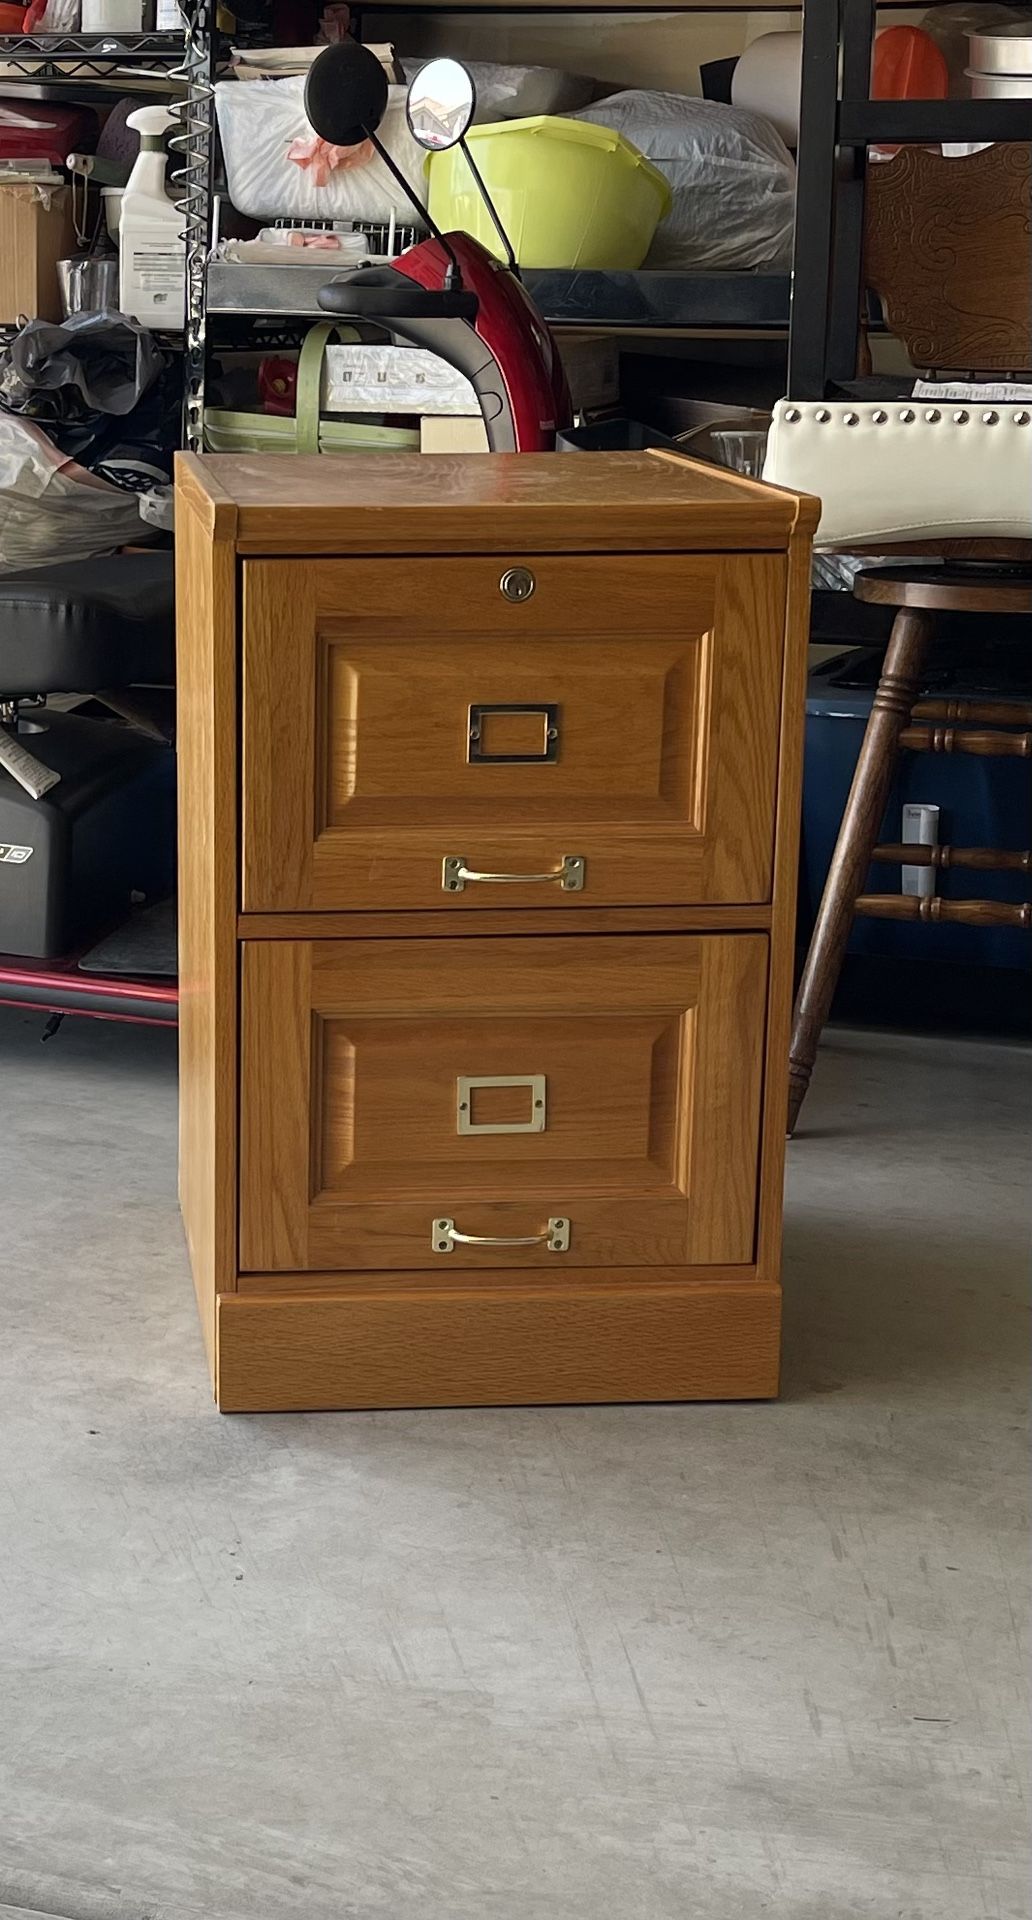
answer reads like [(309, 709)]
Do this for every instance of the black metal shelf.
[(838, 125), (869, 122), (612, 301), (56, 57), (575, 7), (662, 301)]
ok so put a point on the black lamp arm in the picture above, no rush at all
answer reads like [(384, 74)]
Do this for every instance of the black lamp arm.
[(454, 271)]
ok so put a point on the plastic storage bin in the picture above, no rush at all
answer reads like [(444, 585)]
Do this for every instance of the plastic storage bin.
[(568, 193), (612, 436), (258, 125)]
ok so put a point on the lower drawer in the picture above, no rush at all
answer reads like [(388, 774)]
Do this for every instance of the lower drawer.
[(470, 1104)]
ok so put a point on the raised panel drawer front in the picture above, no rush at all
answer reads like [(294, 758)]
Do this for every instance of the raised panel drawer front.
[(414, 737), (535, 1102)]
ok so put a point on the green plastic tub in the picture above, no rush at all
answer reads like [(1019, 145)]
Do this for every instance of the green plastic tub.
[(568, 193)]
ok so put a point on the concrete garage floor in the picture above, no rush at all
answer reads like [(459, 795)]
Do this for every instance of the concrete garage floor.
[(698, 1663)]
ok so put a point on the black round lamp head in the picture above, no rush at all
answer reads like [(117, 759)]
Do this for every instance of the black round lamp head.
[(346, 94)]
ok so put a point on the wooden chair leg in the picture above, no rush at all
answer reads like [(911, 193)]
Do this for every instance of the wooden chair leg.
[(868, 796)]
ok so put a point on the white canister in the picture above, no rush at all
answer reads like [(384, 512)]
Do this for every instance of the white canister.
[(112, 16), (767, 80)]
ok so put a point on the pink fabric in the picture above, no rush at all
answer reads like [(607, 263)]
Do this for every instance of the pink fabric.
[(316, 242), (322, 159)]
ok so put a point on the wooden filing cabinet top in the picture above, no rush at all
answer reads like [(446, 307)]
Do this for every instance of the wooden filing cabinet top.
[(547, 503)]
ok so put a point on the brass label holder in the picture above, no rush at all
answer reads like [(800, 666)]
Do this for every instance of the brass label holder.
[(467, 1084), (546, 755)]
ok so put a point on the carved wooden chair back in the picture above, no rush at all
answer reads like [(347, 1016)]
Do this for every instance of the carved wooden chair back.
[(948, 250)]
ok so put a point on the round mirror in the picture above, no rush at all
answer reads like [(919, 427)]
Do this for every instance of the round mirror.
[(440, 105), (345, 93)]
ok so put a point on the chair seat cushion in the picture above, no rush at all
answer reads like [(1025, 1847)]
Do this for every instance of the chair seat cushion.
[(886, 474), (106, 622)]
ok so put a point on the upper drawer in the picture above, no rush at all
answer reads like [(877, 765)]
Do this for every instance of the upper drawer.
[(406, 723)]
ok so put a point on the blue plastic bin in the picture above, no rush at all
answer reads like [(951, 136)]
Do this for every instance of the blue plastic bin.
[(984, 803)]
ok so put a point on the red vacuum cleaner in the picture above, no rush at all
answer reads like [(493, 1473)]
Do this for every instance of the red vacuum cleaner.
[(449, 293)]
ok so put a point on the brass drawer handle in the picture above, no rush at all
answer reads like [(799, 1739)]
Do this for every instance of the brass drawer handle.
[(444, 1235), (570, 874)]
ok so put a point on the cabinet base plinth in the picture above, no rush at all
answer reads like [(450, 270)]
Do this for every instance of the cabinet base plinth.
[(513, 1345)]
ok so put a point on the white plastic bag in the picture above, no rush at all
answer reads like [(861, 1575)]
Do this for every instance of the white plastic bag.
[(51, 509), (258, 123), (519, 93), (61, 16), (731, 174)]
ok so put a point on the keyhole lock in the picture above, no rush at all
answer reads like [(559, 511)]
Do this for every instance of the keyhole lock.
[(517, 583)]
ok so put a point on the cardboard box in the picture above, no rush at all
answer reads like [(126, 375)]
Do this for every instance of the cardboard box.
[(454, 433), (36, 232)]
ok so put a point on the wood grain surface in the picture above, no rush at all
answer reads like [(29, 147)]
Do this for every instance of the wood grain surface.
[(664, 676), (207, 802), (991, 713), (524, 920), (651, 1050), (952, 593), (651, 1008), (387, 1281), (986, 859), (935, 910), (509, 504), (783, 921), (507, 1347), (983, 742), (948, 247)]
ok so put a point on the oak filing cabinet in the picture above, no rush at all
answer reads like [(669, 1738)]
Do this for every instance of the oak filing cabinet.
[(489, 791)]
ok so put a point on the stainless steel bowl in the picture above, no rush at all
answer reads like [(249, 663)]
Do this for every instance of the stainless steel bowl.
[(1007, 50)]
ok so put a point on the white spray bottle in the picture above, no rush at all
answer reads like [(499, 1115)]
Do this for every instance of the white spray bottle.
[(151, 251)]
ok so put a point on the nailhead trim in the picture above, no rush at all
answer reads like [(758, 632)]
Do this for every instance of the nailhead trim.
[(907, 415)]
